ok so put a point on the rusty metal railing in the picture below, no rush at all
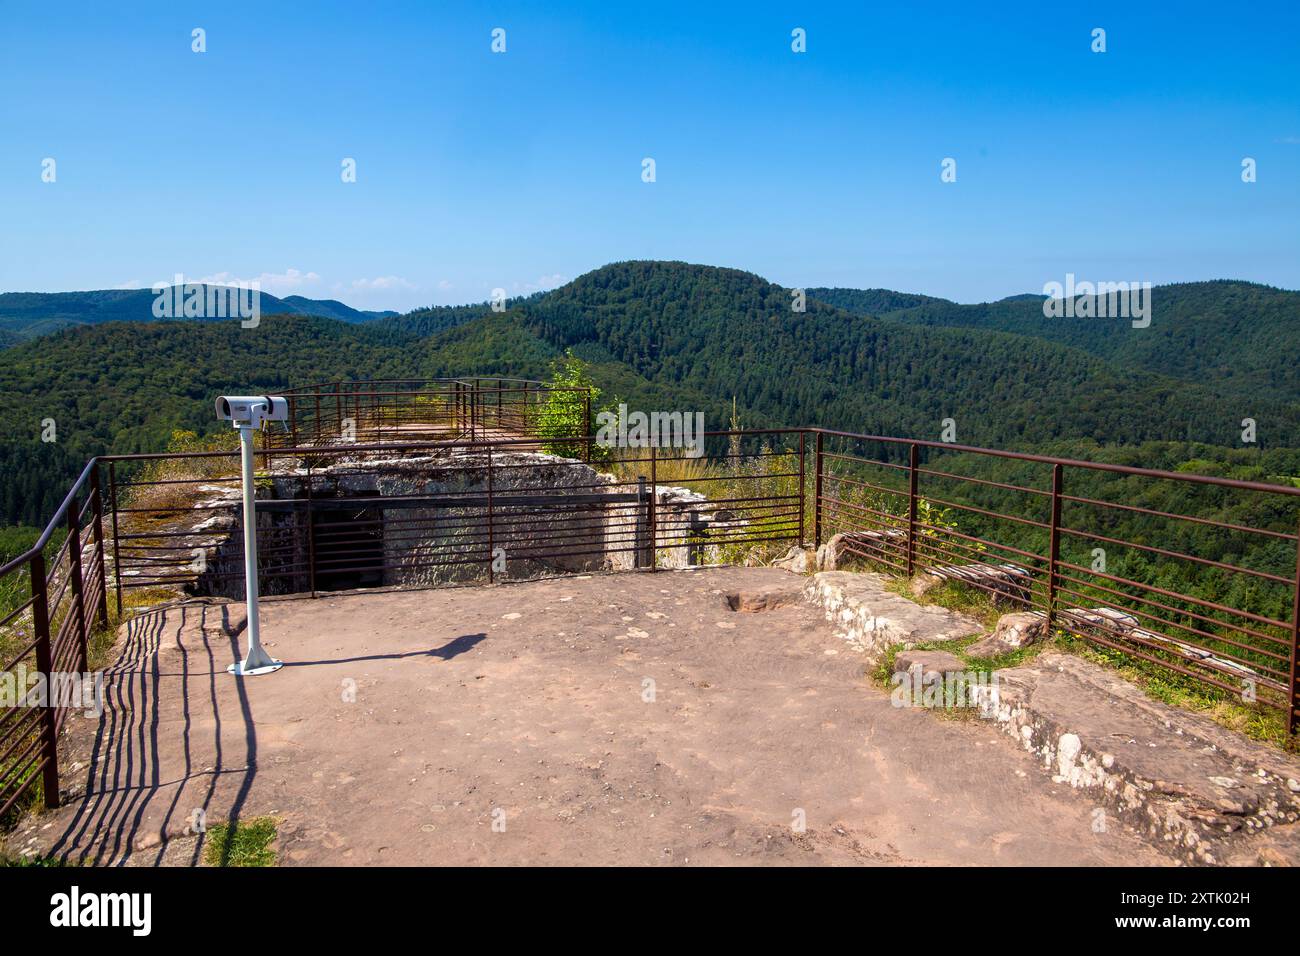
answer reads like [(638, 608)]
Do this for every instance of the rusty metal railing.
[(1212, 599), (418, 514), (414, 410), (1207, 588), (54, 599)]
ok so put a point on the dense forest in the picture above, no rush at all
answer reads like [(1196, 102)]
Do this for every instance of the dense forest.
[(666, 335), (1242, 336)]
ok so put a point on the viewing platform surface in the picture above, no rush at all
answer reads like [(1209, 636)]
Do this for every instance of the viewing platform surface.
[(630, 718)]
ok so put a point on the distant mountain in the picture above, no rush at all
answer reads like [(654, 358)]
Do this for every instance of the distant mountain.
[(25, 315), (727, 332), (1239, 337), (329, 308)]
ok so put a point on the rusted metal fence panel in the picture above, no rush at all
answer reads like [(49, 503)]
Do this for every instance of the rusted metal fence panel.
[(336, 413), (53, 598), (1193, 591), (416, 514)]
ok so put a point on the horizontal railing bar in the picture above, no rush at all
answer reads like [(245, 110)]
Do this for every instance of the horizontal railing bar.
[(1073, 463)]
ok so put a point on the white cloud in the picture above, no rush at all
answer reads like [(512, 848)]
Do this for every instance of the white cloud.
[(384, 284), (543, 283), (277, 283)]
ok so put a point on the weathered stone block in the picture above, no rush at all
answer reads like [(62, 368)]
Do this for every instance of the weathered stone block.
[(797, 560), (1006, 582), (1013, 631), (929, 662), (765, 597), (871, 617)]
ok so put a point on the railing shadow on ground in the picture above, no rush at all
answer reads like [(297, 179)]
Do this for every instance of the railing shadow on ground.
[(122, 781)]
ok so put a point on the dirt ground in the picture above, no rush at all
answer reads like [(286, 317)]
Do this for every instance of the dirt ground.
[(618, 719)]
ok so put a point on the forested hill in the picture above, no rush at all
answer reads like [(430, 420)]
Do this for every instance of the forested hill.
[(722, 331), (26, 315), (661, 335), (1241, 336)]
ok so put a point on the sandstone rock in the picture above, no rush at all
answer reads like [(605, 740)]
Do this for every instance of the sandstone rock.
[(797, 560), (1198, 789), (1067, 752), (831, 554), (850, 545), (871, 616), (921, 584), (1270, 856), (764, 598), (929, 662), (1013, 631), (1006, 582), (1117, 623)]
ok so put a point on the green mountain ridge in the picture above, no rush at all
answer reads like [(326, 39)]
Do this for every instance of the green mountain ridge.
[(1240, 335), (726, 331), (658, 335), (25, 315)]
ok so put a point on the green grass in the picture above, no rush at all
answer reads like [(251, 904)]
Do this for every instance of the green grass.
[(241, 843), (32, 862), (955, 596)]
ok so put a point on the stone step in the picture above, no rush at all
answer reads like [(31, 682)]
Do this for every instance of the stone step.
[(764, 597), (873, 618), (1198, 789)]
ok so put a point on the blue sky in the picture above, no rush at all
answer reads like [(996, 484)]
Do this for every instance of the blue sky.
[(522, 170)]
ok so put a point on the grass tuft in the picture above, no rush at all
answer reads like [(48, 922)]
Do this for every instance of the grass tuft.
[(241, 843)]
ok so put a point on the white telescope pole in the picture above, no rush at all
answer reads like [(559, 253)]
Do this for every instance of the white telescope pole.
[(257, 661)]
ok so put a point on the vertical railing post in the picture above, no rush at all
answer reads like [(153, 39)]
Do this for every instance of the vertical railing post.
[(586, 422), (45, 665), (117, 560), (654, 497), (97, 529), (491, 541), (75, 584), (338, 410), (320, 431), (1293, 692), (803, 484), (913, 457), (817, 493), (1054, 545), (311, 537), (640, 523)]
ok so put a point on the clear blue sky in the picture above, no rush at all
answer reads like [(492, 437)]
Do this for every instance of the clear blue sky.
[(522, 170)]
